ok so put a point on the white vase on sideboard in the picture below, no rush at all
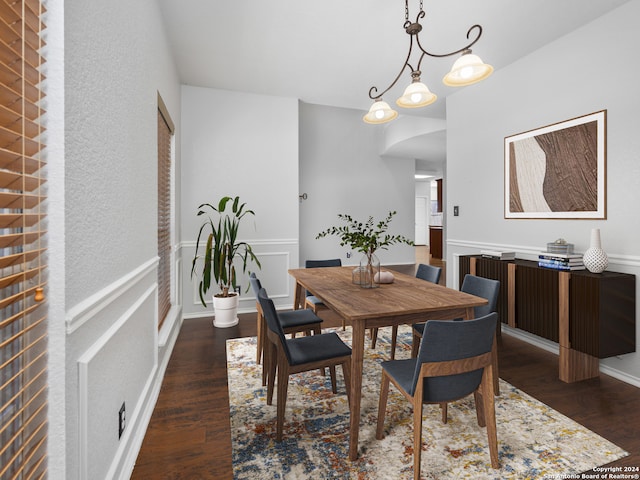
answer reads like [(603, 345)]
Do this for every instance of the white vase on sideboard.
[(595, 259)]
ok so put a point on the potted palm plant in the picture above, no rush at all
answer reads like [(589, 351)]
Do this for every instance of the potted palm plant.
[(367, 238), (220, 249)]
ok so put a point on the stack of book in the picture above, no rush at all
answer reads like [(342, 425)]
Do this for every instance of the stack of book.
[(498, 254), (559, 261)]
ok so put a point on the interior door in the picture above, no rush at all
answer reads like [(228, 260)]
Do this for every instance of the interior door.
[(421, 222)]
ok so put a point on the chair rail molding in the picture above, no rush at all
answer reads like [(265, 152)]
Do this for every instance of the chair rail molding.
[(88, 308)]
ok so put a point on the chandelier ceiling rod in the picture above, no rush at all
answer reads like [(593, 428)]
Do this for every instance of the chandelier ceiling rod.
[(468, 69)]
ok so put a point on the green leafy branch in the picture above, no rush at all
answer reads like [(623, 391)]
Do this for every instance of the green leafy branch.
[(367, 237)]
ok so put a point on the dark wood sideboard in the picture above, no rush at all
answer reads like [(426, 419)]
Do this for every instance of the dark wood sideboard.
[(591, 316)]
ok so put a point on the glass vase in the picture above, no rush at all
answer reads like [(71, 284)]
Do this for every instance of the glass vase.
[(369, 271), (357, 275)]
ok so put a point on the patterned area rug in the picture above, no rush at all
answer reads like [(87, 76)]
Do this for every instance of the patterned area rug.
[(534, 441)]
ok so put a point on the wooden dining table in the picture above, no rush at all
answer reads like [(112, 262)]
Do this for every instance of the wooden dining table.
[(407, 300)]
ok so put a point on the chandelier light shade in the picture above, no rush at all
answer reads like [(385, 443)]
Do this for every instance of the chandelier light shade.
[(468, 69), (417, 94), (380, 112)]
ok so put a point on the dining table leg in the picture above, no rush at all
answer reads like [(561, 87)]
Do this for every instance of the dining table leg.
[(298, 296), (357, 356)]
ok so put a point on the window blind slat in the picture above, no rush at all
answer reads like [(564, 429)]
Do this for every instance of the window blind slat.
[(15, 181), (17, 220), (12, 279), (18, 124), (18, 258), (18, 200), (19, 239), (22, 334), (17, 142), (19, 297), (33, 345), (19, 163)]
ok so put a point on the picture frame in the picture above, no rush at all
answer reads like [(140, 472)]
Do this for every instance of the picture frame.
[(557, 171)]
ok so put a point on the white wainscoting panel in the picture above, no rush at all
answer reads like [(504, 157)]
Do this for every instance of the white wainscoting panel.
[(118, 367)]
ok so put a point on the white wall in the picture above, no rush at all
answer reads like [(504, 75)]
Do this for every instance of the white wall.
[(247, 145), (54, 139), (341, 171), (104, 318), (585, 71)]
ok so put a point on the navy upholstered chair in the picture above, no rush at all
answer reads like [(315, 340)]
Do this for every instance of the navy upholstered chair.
[(425, 272), (295, 355), (311, 301), (292, 321), (455, 359), (478, 286), (428, 273)]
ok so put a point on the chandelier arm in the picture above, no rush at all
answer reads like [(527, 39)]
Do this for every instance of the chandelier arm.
[(406, 64), (468, 47)]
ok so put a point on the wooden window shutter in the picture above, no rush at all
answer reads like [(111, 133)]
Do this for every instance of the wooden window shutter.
[(165, 133), (23, 321)]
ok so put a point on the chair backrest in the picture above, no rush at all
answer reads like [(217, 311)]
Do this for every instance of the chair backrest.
[(482, 287), (444, 340), (271, 316), (333, 262), (256, 285), (429, 273)]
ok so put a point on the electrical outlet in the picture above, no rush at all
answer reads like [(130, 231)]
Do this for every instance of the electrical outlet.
[(456, 211), (122, 420), (348, 254), (238, 289)]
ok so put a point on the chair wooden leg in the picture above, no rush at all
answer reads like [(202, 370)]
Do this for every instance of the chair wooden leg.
[(480, 409), (417, 438), (443, 407), (259, 336), (382, 405), (317, 331), (394, 341), (415, 345), (490, 415), (266, 365), (374, 336), (496, 378), (271, 359), (332, 372), (283, 384)]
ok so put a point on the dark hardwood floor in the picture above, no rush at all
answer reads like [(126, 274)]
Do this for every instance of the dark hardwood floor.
[(189, 434)]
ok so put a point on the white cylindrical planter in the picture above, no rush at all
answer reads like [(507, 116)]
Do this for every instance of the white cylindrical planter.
[(595, 259), (225, 311)]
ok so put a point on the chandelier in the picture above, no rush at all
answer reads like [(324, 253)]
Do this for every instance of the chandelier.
[(466, 70)]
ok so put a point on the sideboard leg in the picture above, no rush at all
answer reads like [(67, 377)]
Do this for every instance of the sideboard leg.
[(576, 366)]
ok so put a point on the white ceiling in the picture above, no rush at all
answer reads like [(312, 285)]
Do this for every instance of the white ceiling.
[(330, 52)]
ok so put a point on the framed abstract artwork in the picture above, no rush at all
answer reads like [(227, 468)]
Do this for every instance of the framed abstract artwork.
[(557, 171)]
